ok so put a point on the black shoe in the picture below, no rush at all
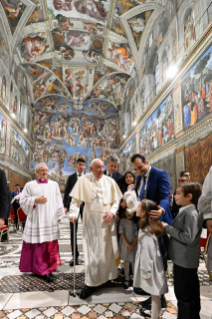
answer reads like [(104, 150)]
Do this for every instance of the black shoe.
[(51, 275), (72, 262), (87, 292), (163, 302), (140, 291), (48, 278), (147, 304), (126, 284)]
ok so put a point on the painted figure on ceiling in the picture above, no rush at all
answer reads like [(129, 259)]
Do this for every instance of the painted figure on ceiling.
[(12, 9), (34, 18), (33, 46), (119, 55), (91, 8), (3, 89), (64, 23), (188, 32), (91, 56), (93, 28), (15, 106), (78, 41), (66, 52), (65, 5), (73, 81), (137, 24)]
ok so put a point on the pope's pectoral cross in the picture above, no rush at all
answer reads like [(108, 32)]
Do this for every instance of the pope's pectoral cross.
[(96, 197)]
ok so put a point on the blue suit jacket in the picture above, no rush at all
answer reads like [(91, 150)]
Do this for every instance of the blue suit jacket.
[(14, 193), (158, 190)]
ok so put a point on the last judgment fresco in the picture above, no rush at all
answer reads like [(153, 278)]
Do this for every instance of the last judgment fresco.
[(62, 134)]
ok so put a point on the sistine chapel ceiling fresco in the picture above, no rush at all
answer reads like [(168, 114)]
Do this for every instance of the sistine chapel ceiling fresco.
[(78, 49)]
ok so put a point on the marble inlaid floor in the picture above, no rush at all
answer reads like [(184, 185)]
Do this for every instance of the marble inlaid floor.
[(25, 296)]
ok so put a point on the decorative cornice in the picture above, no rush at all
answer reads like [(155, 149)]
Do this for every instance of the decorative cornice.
[(9, 164), (162, 151)]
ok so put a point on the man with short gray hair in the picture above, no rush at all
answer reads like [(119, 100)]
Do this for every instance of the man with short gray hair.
[(112, 163)]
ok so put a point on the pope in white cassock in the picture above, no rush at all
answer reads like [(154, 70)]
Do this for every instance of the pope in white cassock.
[(41, 201), (101, 196)]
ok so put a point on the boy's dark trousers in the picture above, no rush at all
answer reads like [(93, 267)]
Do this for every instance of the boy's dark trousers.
[(187, 292)]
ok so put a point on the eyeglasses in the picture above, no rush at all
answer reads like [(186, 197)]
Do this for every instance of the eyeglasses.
[(43, 170)]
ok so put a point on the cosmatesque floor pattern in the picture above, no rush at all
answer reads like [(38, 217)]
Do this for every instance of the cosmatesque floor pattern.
[(25, 296)]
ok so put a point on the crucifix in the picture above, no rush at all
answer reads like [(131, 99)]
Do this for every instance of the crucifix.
[(96, 197)]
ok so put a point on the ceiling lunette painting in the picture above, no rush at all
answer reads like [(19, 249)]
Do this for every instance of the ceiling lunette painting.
[(43, 81)]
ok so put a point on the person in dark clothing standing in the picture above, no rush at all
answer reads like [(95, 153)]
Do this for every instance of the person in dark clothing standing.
[(153, 184), (16, 203), (4, 237), (3, 198), (112, 163), (9, 199), (80, 166)]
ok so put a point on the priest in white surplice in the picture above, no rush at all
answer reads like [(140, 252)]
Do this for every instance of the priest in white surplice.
[(41, 201), (101, 196)]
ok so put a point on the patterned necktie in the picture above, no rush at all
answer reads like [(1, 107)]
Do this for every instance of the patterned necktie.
[(143, 189)]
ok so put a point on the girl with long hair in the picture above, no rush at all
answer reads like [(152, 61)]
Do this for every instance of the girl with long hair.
[(149, 272), (128, 235)]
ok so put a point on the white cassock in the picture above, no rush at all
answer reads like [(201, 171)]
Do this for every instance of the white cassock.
[(99, 239), (42, 220), (205, 208)]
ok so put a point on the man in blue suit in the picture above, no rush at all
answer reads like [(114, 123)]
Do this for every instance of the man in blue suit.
[(16, 203), (153, 184)]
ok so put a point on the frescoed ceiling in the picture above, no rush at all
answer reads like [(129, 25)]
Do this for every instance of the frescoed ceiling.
[(79, 49)]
